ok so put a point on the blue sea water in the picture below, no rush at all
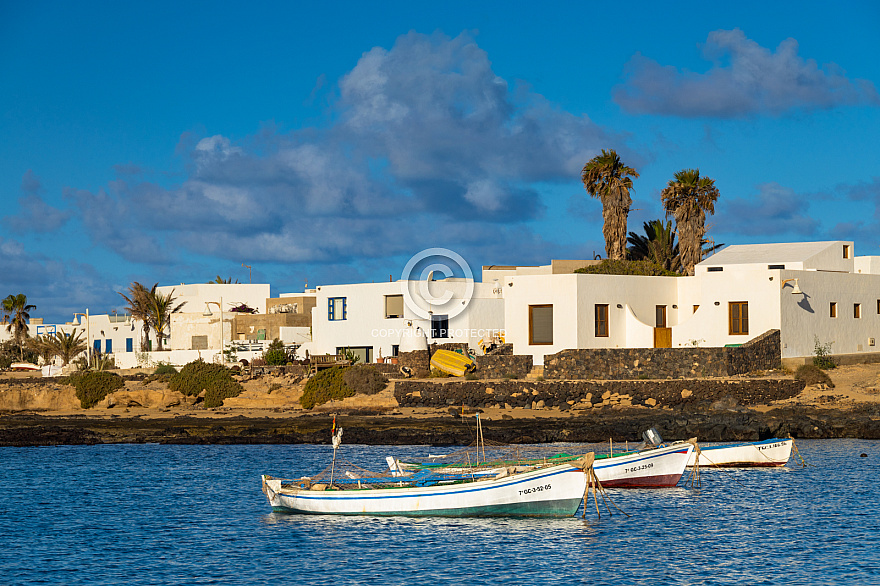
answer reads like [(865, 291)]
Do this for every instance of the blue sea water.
[(157, 514)]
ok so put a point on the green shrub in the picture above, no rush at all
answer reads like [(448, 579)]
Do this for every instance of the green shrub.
[(364, 380), (93, 385), (327, 385), (627, 267), (275, 357), (214, 379), (165, 369), (811, 374), (822, 355), (471, 376), (511, 375)]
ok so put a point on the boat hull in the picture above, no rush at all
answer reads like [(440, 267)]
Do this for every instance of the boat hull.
[(768, 453), (550, 492), (657, 468)]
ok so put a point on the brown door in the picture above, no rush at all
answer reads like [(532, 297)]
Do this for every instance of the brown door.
[(662, 337)]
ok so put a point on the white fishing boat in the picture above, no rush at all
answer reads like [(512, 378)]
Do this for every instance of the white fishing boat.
[(554, 489), (658, 467), (771, 452)]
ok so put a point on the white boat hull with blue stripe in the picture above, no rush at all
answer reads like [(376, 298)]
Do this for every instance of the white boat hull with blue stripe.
[(771, 452), (554, 491)]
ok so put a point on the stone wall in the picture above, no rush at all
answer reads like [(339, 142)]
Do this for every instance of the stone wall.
[(567, 395), (762, 353), (502, 366)]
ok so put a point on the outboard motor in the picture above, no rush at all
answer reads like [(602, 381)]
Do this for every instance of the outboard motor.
[(652, 437)]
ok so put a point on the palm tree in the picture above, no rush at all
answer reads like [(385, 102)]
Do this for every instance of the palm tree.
[(42, 346), (18, 307), (605, 177), (688, 198), (657, 245), (138, 300), (160, 309), (221, 281), (67, 346)]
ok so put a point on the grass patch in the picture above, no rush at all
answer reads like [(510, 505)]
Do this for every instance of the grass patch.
[(327, 385), (811, 374), (93, 385), (214, 379), (364, 380)]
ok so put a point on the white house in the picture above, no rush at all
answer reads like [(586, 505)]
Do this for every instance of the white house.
[(734, 296), (374, 319)]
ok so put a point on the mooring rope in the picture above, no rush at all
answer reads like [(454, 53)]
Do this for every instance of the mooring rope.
[(695, 471), (796, 451), (586, 463)]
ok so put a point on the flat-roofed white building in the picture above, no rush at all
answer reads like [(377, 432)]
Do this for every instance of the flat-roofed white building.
[(395, 316), (734, 296)]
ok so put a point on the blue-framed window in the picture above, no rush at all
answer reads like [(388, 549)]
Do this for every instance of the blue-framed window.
[(97, 346), (129, 345), (336, 309), (108, 346)]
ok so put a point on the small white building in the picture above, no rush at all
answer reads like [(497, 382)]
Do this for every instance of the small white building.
[(734, 296), (382, 319)]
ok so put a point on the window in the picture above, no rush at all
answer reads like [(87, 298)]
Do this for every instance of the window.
[(878, 307), (660, 316), (97, 346), (715, 269), (739, 317), (440, 326), (336, 308), (833, 310), (602, 321), (108, 346), (129, 345), (393, 306), (541, 325), (857, 310), (846, 251), (199, 343), (696, 307), (395, 349), (772, 267)]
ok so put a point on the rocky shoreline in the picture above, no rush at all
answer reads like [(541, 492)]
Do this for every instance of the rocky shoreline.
[(22, 430)]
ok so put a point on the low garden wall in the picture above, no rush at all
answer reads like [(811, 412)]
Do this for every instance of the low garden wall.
[(762, 353), (504, 365), (591, 394)]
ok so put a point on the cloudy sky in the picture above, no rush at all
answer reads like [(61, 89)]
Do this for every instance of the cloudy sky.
[(173, 142)]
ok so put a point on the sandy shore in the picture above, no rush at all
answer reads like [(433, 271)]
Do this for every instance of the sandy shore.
[(36, 411)]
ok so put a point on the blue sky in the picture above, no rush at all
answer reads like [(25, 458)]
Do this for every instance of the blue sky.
[(172, 142)]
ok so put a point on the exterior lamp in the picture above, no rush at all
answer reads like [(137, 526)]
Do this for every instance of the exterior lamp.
[(796, 290)]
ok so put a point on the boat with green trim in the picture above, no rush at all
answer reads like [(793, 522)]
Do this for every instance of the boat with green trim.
[(549, 491)]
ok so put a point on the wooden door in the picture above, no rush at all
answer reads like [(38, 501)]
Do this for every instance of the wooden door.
[(662, 337)]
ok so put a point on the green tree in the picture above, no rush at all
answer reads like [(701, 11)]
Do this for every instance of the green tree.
[(218, 280), (18, 307), (153, 308), (138, 300), (688, 198), (160, 309), (67, 346), (657, 245), (605, 177)]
